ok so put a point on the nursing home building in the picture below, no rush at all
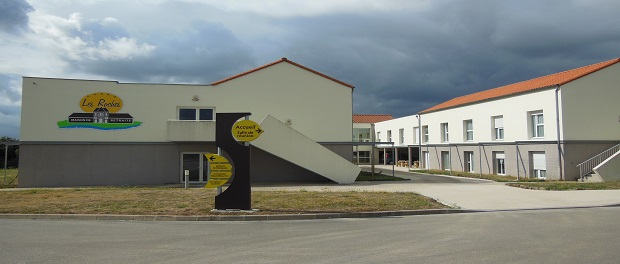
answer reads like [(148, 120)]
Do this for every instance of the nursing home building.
[(88, 132), (539, 128)]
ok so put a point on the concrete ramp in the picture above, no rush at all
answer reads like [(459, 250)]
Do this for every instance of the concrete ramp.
[(287, 143), (609, 170)]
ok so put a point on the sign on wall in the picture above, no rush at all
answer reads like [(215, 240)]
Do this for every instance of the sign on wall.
[(246, 130), (101, 111)]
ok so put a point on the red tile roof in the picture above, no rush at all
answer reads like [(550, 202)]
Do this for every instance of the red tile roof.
[(548, 81), (281, 61), (370, 119)]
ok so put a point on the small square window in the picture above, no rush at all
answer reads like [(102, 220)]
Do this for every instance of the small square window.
[(187, 114)]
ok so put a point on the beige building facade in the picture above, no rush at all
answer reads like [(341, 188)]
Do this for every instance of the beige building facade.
[(86, 132)]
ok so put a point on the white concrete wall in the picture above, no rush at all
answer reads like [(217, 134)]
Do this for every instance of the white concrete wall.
[(591, 106), (407, 123), (316, 106), (514, 110)]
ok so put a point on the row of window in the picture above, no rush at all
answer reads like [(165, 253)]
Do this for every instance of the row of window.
[(201, 114), (536, 125), (538, 163)]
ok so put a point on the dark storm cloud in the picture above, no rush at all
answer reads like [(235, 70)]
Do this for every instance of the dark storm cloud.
[(14, 15), (404, 62), (203, 53)]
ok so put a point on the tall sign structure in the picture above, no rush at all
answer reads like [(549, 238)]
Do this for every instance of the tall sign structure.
[(239, 194)]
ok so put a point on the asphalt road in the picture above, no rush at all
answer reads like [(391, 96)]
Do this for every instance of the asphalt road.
[(527, 236), (426, 178)]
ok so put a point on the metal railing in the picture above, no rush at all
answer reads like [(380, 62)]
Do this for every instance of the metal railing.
[(587, 166)]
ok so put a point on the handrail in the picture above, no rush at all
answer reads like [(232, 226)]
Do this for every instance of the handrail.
[(587, 166)]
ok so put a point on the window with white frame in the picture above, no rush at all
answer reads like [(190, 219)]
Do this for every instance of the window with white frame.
[(378, 136), (389, 136), (445, 160), (498, 128), (401, 136), (499, 164), (444, 132), (416, 135), (468, 126), (539, 165), (425, 134), (196, 114), (469, 161), (537, 123)]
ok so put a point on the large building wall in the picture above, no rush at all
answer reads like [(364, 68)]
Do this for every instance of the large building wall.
[(590, 107), (406, 123), (514, 110), (316, 106)]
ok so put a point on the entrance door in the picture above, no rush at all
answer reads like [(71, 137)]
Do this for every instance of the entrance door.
[(427, 160), (197, 166)]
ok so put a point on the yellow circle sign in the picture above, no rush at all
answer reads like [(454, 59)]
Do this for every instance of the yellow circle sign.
[(101, 100), (246, 130)]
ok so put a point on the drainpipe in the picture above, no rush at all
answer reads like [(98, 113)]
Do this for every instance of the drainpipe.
[(518, 170), (450, 158), (557, 120), (480, 158), (372, 151), (420, 141)]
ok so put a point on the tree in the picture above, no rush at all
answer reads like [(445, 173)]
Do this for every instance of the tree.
[(12, 155)]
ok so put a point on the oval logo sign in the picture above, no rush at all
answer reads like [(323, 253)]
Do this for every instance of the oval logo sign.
[(246, 130), (101, 100)]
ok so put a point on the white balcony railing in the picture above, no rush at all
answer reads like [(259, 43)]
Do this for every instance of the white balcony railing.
[(182, 130)]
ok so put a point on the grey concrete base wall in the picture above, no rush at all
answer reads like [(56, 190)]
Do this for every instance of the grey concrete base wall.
[(578, 152), (518, 157), (53, 165), (118, 164), (269, 168)]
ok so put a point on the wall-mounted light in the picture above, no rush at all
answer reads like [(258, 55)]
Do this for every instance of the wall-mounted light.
[(195, 98)]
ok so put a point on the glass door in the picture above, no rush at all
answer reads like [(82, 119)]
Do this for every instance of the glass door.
[(197, 166)]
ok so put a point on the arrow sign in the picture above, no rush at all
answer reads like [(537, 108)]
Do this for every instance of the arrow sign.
[(246, 130), (220, 170)]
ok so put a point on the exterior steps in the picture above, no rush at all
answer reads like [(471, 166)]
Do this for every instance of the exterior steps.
[(285, 142), (592, 178)]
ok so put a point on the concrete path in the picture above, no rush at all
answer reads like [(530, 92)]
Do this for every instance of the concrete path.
[(473, 194)]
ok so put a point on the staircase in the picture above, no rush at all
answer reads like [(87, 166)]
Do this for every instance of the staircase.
[(587, 168), (285, 142)]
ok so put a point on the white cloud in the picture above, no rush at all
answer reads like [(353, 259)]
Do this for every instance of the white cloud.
[(67, 37)]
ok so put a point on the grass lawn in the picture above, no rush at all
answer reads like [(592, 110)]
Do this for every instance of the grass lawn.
[(199, 201), (535, 184), (566, 185), (10, 180)]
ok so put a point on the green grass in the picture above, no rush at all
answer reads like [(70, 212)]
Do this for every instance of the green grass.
[(535, 184), (566, 185), (11, 178), (497, 178), (199, 201)]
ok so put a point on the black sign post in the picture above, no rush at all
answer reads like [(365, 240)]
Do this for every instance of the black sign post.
[(238, 196)]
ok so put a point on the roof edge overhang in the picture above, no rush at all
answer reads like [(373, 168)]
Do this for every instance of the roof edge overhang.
[(281, 61)]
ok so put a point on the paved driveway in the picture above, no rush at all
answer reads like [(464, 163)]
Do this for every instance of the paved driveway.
[(472, 194)]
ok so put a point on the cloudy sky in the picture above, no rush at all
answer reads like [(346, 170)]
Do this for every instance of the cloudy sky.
[(402, 56)]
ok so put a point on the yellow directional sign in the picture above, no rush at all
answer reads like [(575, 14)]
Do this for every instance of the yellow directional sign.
[(220, 170), (246, 130), (220, 166)]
